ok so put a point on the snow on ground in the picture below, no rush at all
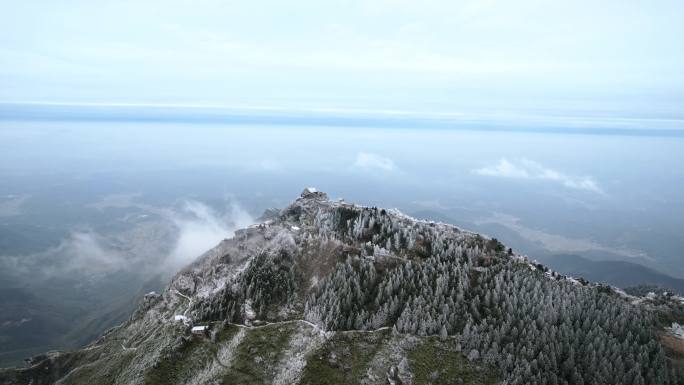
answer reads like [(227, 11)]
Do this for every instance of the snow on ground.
[(218, 281), (623, 294), (247, 308), (303, 342), (224, 359)]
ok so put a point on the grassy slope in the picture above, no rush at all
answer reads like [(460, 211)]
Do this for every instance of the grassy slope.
[(434, 362), (343, 359), (347, 358), (258, 354)]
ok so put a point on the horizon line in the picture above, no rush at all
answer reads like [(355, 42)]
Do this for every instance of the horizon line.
[(335, 116)]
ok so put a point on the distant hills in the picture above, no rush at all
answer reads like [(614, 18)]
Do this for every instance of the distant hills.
[(327, 292), (617, 273), (600, 267)]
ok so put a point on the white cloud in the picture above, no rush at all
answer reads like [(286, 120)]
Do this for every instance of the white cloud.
[(527, 169), (163, 245), (201, 228), (371, 161), (503, 169), (81, 252), (87, 252)]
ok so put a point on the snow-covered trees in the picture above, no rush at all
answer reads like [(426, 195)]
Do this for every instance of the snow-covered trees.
[(536, 329), (431, 279)]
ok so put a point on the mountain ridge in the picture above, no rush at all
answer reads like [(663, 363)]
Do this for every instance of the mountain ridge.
[(331, 292)]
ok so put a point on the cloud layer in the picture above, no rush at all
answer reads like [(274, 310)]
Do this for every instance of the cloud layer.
[(527, 169), (370, 161)]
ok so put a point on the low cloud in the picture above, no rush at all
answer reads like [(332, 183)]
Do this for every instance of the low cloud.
[(162, 241), (81, 252), (527, 169), (10, 205), (200, 228), (88, 251), (370, 161)]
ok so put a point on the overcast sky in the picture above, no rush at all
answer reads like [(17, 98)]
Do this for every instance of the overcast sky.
[(430, 55)]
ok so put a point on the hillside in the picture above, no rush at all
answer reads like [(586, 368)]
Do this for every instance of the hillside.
[(618, 273), (328, 292)]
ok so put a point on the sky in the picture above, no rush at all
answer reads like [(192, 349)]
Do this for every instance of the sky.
[(610, 57)]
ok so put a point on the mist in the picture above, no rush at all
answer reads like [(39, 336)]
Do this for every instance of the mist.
[(200, 227), (156, 245), (110, 210), (135, 136), (92, 275)]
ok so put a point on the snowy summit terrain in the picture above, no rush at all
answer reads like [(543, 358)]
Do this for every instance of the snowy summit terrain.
[(327, 292)]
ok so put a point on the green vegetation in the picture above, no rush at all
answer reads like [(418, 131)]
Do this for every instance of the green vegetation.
[(258, 354), (106, 373), (270, 280), (179, 363), (344, 216), (434, 362), (343, 359)]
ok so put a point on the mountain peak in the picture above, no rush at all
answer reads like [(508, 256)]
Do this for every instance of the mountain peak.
[(313, 193), (330, 290)]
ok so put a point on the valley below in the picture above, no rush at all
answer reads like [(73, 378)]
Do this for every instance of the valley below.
[(327, 292)]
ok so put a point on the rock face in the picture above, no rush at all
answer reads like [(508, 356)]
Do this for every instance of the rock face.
[(332, 293)]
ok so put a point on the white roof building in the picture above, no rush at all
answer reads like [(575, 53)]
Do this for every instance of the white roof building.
[(677, 330), (312, 192), (199, 329)]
